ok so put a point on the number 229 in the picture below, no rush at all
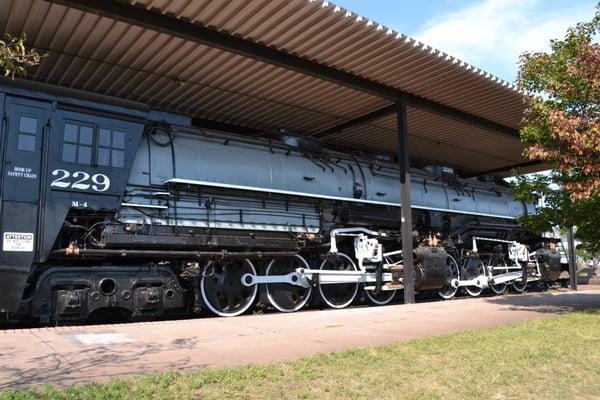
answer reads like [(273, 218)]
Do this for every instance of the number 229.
[(100, 182)]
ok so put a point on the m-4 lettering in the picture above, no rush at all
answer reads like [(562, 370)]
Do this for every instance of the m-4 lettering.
[(79, 180)]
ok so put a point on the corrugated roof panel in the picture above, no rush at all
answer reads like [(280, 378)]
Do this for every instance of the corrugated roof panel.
[(103, 55), (363, 37)]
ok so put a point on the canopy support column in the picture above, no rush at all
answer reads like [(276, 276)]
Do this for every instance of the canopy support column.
[(405, 204), (572, 258)]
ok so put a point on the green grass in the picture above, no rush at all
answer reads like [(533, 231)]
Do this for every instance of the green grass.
[(550, 358)]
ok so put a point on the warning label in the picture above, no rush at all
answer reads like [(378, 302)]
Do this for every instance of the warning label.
[(17, 241)]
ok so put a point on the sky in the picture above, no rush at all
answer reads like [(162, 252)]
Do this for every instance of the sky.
[(490, 34)]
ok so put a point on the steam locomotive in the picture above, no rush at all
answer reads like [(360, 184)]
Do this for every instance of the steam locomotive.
[(112, 208)]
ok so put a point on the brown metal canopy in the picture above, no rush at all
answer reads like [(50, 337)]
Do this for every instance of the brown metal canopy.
[(306, 66)]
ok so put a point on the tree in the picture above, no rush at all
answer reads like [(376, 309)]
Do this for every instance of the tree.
[(15, 58), (561, 127)]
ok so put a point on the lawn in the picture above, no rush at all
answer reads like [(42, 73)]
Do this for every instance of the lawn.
[(551, 358)]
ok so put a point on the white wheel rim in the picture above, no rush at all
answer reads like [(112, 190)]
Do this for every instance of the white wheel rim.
[(346, 304), (238, 312), (500, 288), (476, 290), (378, 302), (473, 290), (447, 296), (520, 286), (375, 300), (270, 295)]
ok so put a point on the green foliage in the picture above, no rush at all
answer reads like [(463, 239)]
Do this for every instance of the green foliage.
[(558, 209), (562, 128), (15, 57)]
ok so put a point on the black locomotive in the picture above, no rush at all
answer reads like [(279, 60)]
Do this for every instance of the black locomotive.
[(112, 208)]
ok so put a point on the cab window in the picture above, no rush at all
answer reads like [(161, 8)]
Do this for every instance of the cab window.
[(27, 133)]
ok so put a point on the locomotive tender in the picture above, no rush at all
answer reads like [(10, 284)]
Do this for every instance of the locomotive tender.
[(111, 207)]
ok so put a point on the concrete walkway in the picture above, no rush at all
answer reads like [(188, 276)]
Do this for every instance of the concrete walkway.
[(73, 355)]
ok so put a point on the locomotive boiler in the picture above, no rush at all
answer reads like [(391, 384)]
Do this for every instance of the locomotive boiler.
[(112, 208)]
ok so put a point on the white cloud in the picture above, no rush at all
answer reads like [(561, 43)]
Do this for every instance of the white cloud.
[(493, 33)]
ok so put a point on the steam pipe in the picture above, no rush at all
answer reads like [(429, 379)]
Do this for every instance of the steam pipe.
[(73, 251)]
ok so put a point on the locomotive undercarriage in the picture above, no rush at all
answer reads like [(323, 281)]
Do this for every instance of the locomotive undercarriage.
[(129, 270)]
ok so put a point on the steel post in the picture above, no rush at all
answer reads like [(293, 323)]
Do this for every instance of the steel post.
[(572, 259), (405, 204)]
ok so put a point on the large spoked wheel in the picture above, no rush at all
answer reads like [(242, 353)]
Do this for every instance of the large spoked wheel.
[(384, 296), (283, 296), (520, 286), (222, 289), (338, 295), (500, 267), (475, 290), (452, 272)]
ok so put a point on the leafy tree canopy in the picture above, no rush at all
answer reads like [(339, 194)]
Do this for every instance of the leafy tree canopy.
[(15, 57), (562, 129)]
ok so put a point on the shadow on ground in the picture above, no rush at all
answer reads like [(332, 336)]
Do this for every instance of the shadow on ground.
[(59, 369), (549, 303)]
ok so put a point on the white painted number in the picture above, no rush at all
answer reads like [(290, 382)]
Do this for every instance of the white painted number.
[(79, 184), (59, 182), (101, 182)]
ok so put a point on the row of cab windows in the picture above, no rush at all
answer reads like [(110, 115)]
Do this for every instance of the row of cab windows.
[(79, 144)]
